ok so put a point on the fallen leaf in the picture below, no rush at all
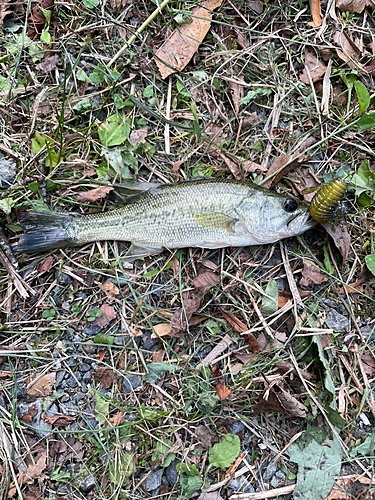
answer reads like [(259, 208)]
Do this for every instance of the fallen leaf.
[(281, 402), (256, 5), (354, 486), (311, 275), (316, 14), (370, 68), (341, 238), (108, 314), (110, 290), (305, 179), (312, 66), (283, 165), (162, 330), (59, 420), (94, 194), (138, 136), (237, 325), (349, 52), (368, 363), (40, 386), (4, 4), (206, 436), (237, 93), (284, 298), (34, 471), (250, 121), (37, 20), (179, 48), (100, 355), (106, 376), (48, 64), (45, 265), (204, 281), (353, 5), (213, 495), (221, 389), (250, 167), (116, 4)]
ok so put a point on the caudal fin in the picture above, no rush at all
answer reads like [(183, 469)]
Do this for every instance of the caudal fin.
[(45, 231)]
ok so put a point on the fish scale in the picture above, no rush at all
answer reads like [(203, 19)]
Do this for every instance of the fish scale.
[(207, 213)]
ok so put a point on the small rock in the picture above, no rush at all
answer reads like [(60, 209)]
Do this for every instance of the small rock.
[(122, 340), (8, 172), (275, 482), (148, 342), (72, 361), (92, 330), (203, 353), (237, 427), (154, 480), (90, 347), (87, 484), (338, 322), (60, 377), (364, 419), (269, 472), (63, 278), (86, 377), (171, 473), (241, 484), (131, 382), (85, 367), (72, 383)]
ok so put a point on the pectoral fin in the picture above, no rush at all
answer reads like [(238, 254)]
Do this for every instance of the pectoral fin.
[(138, 252), (215, 220), (212, 246)]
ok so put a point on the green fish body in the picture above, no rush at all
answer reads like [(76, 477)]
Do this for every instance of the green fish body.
[(205, 213)]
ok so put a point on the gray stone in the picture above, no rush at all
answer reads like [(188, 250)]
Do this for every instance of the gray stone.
[(60, 377), (90, 347), (72, 383), (364, 419), (338, 322), (154, 480), (131, 382), (87, 484), (92, 330), (269, 472), (122, 340), (85, 367), (72, 361), (241, 484), (8, 172), (63, 278), (237, 427), (171, 473), (86, 377), (148, 343)]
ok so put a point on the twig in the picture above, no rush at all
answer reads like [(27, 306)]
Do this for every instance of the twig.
[(216, 351), (138, 32), (21, 285), (168, 116), (292, 282), (284, 490)]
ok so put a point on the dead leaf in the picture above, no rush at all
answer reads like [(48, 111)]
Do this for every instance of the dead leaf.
[(45, 265), (213, 495), (250, 121), (284, 298), (237, 93), (116, 4), (312, 66), (179, 48), (4, 4), (353, 5), (341, 238), (110, 290), (305, 179), (106, 376), (283, 165), (237, 325), (37, 20), (34, 471), (138, 136), (354, 486), (281, 402), (316, 14), (175, 169), (311, 275), (59, 420), (349, 52), (221, 389), (250, 167), (256, 5), (108, 314), (40, 386), (206, 436), (48, 64), (368, 363), (94, 194), (162, 330), (370, 68), (205, 281)]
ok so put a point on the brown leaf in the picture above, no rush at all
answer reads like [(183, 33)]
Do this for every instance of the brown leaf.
[(237, 325), (179, 48), (305, 179), (206, 436), (40, 386), (162, 330), (59, 420), (213, 495), (353, 5), (94, 194), (341, 238), (108, 314), (283, 165), (138, 136), (205, 281), (106, 376), (4, 4), (221, 389), (237, 93), (284, 298), (354, 486), (350, 53), (100, 355), (48, 64), (281, 402), (37, 20), (368, 363), (34, 471), (46, 264), (312, 66), (311, 275), (110, 290), (316, 14)]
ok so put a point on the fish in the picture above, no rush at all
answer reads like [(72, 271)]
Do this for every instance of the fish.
[(204, 213), (326, 205)]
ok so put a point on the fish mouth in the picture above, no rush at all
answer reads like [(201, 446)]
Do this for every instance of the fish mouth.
[(306, 219)]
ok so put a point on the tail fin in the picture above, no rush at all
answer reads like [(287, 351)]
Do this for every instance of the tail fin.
[(45, 231)]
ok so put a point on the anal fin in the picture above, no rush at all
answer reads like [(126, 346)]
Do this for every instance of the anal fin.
[(138, 252)]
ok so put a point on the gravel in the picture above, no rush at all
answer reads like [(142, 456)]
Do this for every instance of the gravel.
[(338, 322), (171, 473), (154, 480), (131, 382)]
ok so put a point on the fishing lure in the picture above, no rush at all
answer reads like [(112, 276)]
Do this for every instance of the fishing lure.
[(326, 205)]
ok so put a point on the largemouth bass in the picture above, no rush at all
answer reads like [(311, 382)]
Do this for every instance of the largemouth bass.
[(205, 213)]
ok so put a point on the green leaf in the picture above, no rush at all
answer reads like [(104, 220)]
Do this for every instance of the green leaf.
[(45, 36), (122, 467), (90, 4), (366, 121), (39, 141), (47, 14), (213, 326), (83, 106), (270, 305), (101, 408), (254, 94), (96, 77), (122, 159), (370, 263), (335, 418), (223, 454), (161, 450), (190, 479), (327, 261), (48, 313), (157, 369), (6, 205), (317, 464), (363, 96), (114, 131), (366, 448), (102, 338), (60, 476), (81, 76), (364, 180), (148, 91)]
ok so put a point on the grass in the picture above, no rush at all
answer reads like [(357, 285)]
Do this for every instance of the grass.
[(57, 126)]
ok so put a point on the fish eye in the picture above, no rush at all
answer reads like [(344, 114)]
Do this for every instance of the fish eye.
[(290, 205)]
